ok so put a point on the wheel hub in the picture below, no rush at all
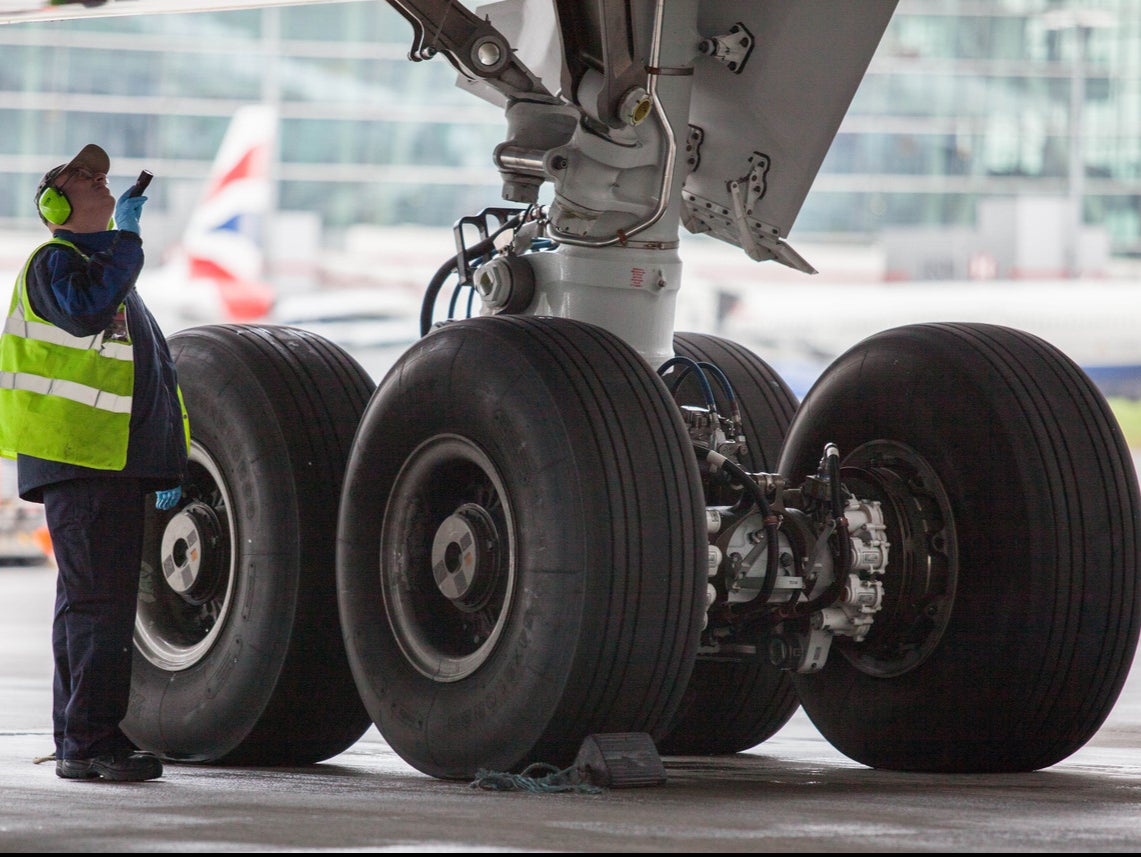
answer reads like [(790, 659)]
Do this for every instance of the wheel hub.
[(464, 557), (187, 571), (191, 554), (446, 558), (922, 574)]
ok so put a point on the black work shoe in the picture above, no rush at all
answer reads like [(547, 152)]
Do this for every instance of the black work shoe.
[(129, 766)]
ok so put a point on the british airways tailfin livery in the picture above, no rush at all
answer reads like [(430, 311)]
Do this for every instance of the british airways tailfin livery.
[(215, 273)]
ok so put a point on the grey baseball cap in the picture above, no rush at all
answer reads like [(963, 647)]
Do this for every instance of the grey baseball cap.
[(90, 157)]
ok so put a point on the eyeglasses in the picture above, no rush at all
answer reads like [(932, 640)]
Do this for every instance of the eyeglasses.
[(81, 172)]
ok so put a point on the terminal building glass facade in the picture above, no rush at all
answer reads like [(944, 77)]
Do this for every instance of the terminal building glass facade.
[(966, 99)]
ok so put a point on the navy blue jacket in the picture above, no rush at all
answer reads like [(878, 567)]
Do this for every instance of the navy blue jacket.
[(82, 297)]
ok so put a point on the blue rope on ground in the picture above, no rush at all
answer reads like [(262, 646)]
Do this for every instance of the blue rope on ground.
[(553, 781)]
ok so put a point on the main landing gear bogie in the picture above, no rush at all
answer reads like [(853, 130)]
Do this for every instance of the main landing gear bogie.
[(522, 553)]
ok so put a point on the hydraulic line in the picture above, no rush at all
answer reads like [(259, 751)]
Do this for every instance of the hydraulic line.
[(730, 394), (455, 300), (843, 558), (772, 522), (690, 365), (427, 308), (832, 454), (666, 187), (843, 553), (719, 461), (700, 368)]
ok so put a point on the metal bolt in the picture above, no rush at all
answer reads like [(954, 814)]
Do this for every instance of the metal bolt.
[(635, 106), (488, 54)]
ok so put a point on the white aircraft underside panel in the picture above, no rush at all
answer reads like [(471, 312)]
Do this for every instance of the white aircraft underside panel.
[(15, 11), (769, 127)]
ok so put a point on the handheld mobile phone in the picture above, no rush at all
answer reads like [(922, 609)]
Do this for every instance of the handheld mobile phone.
[(141, 183)]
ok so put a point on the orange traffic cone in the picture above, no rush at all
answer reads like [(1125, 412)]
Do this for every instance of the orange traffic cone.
[(43, 541)]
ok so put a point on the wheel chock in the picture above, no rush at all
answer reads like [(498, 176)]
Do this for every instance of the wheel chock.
[(620, 760)]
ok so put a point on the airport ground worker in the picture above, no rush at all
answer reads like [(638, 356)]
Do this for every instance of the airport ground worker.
[(89, 406)]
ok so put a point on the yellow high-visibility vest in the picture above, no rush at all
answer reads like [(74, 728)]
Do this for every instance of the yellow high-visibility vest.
[(62, 397)]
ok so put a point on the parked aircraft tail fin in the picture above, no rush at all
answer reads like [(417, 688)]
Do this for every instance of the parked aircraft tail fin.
[(216, 273)]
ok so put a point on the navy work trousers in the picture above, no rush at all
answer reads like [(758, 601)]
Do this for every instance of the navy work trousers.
[(96, 528)]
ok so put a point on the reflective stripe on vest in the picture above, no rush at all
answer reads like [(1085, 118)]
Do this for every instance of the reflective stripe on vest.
[(62, 397), (98, 399), (42, 331)]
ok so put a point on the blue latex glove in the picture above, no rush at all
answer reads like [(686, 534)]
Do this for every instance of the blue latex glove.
[(127, 211), (166, 500)]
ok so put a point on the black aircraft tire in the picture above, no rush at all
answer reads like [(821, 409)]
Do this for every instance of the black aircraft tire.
[(730, 707), (246, 665), (577, 609), (1011, 599)]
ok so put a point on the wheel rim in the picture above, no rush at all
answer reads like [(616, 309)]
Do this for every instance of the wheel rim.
[(923, 565), (188, 573), (447, 558)]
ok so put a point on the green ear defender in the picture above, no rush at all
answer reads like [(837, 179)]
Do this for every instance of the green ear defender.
[(54, 206)]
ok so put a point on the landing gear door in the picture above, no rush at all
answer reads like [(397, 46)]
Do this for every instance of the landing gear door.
[(774, 80)]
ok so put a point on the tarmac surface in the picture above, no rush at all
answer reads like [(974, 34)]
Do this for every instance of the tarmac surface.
[(792, 793)]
